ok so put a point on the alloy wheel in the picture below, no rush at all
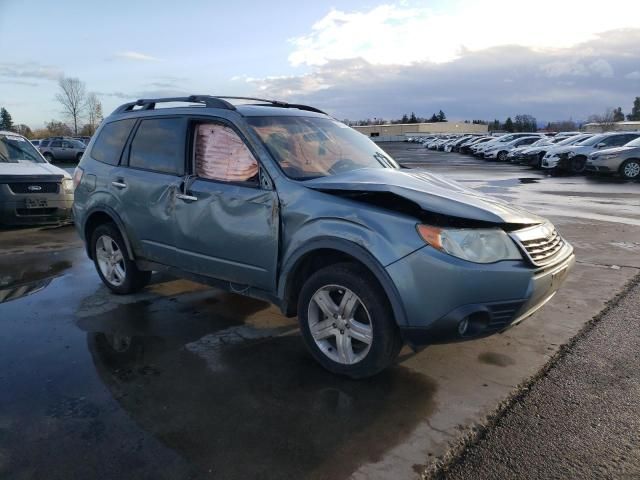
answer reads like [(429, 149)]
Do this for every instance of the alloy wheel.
[(340, 324), (110, 260), (631, 170)]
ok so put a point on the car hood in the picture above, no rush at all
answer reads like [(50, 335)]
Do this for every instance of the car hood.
[(432, 193), (30, 168)]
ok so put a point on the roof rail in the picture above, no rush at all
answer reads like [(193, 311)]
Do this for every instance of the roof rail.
[(150, 103), (211, 101), (276, 103)]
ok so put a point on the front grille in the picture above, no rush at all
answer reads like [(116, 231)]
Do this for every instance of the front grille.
[(502, 314), (541, 243), (36, 187)]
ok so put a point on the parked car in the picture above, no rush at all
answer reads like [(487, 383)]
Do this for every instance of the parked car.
[(83, 139), (284, 203), (624, 160), (573, 158), (62, 149), (515, 154), (467, 147), (500, 150), (35, 142), (31, 190), (480, 149), (534, 155)]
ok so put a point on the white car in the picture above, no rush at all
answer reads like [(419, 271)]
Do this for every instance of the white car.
[(573, 158), (480, 149), (500, 150)]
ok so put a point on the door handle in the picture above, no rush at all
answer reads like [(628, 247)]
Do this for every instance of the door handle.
[(119, 184), (186, 198)]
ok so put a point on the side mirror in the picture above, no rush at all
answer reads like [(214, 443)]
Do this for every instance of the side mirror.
[(601, 144)]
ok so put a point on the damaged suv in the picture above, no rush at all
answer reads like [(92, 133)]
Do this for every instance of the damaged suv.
[(282, 202)]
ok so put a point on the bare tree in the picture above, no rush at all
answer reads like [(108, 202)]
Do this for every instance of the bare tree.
[(606, 120), (94, 113), (73, 98)]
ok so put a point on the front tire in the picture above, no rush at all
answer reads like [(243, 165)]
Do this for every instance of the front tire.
[(578, 164), (116, 270), (346, 321), (630, 169), (502, 156)]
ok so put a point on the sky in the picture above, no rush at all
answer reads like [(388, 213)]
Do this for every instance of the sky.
[(354, 59)]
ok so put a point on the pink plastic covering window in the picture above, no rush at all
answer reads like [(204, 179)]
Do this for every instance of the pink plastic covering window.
[(222, 155)]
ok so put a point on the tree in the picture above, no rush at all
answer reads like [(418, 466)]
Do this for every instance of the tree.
[(94, 114), (635, 111), (413, 118), (525, 123), (73, 98), (441, 116), (23, 130), (508, 125), (433, 119), (6, 123), (58, 129), (605, 120), (618, 116), (405, 118)]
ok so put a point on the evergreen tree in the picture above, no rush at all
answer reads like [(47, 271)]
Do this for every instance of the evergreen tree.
[(405, 118), (6, 123), (618, 116), (508, 125), (434, 118), (635, 111), (441, 116), (412, 118)]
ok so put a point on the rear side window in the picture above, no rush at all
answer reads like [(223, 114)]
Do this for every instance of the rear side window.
[(158, 145), (56, 144), (109, 144)]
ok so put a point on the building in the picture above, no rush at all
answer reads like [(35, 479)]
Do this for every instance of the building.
[(400, 131), (614, 127)]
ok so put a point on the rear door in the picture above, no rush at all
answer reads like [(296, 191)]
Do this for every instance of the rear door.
[(147, 183), (227, 216)]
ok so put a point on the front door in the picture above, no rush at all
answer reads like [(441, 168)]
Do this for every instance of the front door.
[(227, 221)]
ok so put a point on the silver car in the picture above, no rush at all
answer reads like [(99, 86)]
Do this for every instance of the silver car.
[(623, 160), (62, 149)]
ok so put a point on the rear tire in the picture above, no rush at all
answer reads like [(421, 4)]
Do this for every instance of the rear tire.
[(346, 321), (578, 164), (502, 156), (630, 169), (116, 270)]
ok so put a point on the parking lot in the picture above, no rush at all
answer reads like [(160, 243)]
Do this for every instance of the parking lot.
[(184, 381)]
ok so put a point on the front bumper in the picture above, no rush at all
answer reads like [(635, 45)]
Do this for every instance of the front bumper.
[(439, 292), (489, 155), (610, 165), (549, 163), (34, 208)]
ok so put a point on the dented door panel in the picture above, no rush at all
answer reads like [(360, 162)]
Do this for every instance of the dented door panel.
[(230, 232)]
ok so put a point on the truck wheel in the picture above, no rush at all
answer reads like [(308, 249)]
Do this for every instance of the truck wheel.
[(346, 321), (630, 169), (116, 269)]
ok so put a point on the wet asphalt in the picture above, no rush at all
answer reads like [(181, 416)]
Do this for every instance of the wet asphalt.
[(185, 381)]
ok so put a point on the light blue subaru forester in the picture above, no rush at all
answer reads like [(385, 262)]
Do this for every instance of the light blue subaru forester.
[(284, 203)]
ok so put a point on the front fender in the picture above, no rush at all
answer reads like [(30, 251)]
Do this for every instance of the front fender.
[(353, 249)]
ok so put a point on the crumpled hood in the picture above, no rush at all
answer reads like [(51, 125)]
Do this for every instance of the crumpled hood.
[(432, 193), (31, 168)]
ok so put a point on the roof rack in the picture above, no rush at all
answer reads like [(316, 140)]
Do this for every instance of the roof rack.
[(209, 101)]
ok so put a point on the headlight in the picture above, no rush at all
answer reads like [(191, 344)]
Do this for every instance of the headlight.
[(571, 154), (67, 185), (479, 245)]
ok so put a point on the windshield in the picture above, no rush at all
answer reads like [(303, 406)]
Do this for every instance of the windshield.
[(633, 143), (309, 147), (16, 149), (591, 140)]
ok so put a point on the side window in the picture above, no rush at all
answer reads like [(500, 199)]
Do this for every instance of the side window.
[(617, 140), (44, 143), (56, 144), (158, 145), (109, 144), (66, 145), (220, 154)]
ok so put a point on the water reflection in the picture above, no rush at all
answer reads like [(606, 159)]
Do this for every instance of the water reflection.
[(17, 281)]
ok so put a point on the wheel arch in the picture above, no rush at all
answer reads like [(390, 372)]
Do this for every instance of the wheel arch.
[(99, 216), (319, 253)]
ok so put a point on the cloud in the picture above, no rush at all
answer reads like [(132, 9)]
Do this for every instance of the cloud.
[(407, 32), (633, 75), (26, 70), (136, 56), (495, 82)]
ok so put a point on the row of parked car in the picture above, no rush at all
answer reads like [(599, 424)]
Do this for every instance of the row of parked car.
[(616, 153)]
